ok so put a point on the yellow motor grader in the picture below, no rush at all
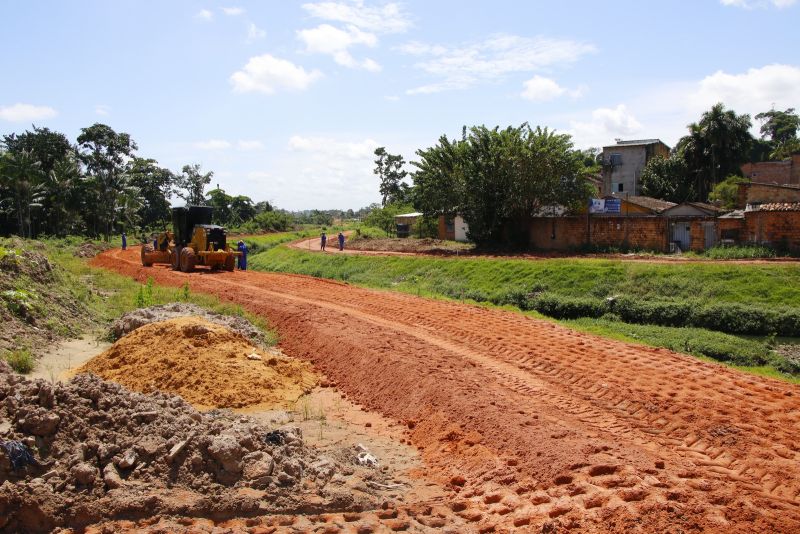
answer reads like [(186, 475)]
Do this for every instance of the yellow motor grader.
[(193, 241), (160, 251)]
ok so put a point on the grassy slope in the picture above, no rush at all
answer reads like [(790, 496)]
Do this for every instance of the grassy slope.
[(482, 279), (109, 295), (773, 284)]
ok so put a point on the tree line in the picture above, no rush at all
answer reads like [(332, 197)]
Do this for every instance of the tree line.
[(495, 177), (99, 186)]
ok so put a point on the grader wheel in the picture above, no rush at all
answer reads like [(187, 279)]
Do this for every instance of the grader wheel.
[(146, 249), (188, 260)]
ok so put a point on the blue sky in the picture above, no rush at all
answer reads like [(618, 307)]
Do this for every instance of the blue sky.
[(286, 101)]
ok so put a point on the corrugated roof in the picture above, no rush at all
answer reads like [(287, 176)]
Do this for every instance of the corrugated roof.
[(415, 214), (775, 206), (735, 214)]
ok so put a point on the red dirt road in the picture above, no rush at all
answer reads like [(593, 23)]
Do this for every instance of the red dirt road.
[(534, 424)]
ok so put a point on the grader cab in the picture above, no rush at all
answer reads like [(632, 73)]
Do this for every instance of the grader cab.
[(198, 242)]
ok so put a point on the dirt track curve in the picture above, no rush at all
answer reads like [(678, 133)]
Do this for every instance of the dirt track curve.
[(538, 424)]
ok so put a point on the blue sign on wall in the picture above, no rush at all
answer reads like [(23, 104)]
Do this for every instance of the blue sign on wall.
[(613, 205)]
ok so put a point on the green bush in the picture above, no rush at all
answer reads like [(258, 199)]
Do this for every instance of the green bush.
[(735, 319), (664, 313), (21, 360), (560, 307)]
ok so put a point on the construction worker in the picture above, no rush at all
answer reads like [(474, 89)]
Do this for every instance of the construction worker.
[(124, 241), (341, 241), (322, 241), (243, 258)]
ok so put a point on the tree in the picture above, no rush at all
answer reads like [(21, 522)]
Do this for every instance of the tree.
[(221, 202), (668, 179), (191, 184), (242, 209), (715, 147), (50, 149), (262, 206), (104, 154), (62, 193), (389, 169), (22, 176), (780, 127), (497, 178), (726, 193), (155, 185), (383, 217)]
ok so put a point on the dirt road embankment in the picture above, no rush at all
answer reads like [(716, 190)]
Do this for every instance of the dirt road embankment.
[(538, 423)]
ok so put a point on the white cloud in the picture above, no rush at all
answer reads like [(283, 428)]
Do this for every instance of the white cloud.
[(213, 144), (753, 91), (204, 14), (391, 98), (102, 109), (254, 33), (491, 59), (606, 125), (26, 112), (267, 74), (247, 146), (388, 18), (232, 11), (541, 89), (326, 147), (326, 39), (758, 4)]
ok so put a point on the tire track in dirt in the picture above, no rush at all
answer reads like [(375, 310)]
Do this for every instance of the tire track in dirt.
[(544, 423)]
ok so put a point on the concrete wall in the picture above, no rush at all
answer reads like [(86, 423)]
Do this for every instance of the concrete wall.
[(461, 229)]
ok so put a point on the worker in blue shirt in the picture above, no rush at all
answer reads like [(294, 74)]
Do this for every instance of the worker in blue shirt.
[(341, 241), (243, 258), (124, 241)]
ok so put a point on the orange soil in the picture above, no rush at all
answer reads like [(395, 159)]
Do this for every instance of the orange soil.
[(204, 363), (538, 423)]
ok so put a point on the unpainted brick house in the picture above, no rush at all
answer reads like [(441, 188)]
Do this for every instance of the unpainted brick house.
[(785, 172)]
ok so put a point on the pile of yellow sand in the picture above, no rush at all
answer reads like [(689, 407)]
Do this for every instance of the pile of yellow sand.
[(204, 363)]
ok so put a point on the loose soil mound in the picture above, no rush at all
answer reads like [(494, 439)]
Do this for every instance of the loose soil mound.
[(205, 363), (90, 250), (142, 316), (97, 451)]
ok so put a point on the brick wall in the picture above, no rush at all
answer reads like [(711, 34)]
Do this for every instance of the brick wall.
[(763, 193), (735, 229), (566, 233), (778, 228), (774, 172)]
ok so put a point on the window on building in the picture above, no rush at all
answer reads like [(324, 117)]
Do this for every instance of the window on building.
[(616, 159), (617, 187)]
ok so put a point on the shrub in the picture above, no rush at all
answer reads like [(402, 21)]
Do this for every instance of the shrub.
[(664, 313), (20, 360), (561, 307), (736, 319)]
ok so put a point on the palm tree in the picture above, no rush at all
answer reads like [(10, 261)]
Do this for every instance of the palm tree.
[(716, 147), (21, 174)]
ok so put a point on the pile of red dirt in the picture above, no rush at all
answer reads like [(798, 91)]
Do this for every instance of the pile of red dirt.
[(205, 363)]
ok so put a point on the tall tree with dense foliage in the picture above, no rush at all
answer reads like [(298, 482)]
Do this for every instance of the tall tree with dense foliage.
[(21, 175), (668, 179), (780, 128), (155, 185), (104, 152), (389, 168), (716, 147), (497, 178), (192, 184)]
